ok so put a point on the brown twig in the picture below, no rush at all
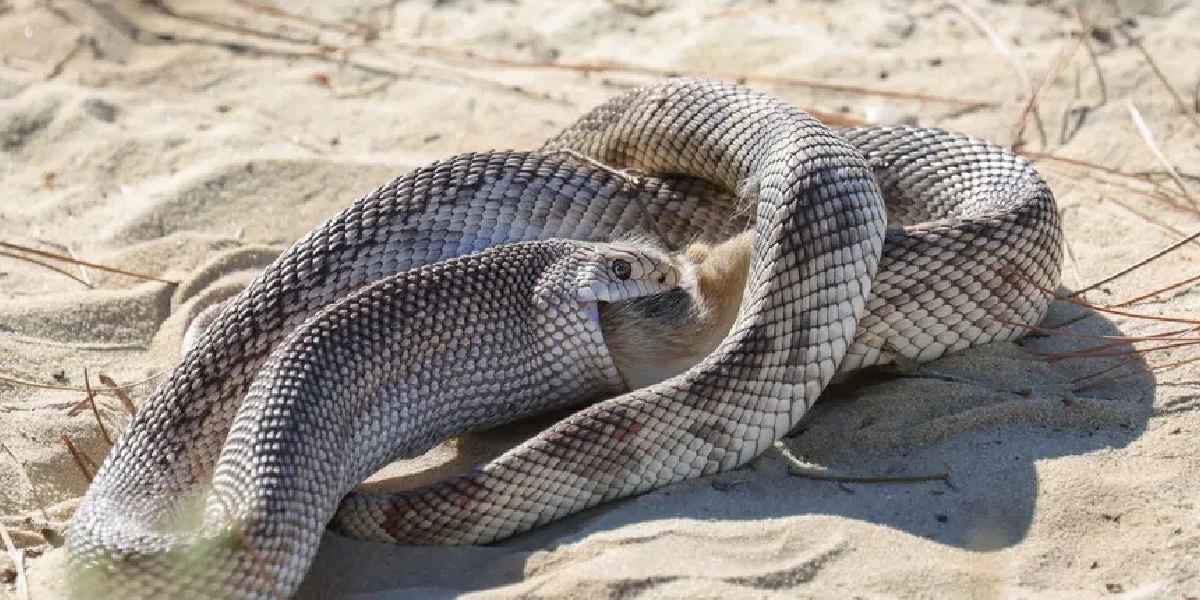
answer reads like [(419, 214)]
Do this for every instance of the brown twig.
[(612, 67), (83, 272), (1158, 291), (805, 474), (1060, 356), (74, 388), (43, 265), (1120, 339), (85, 464), (998, 42), (1157, 255), (69, 259), (91, 400), (1060, 63), (1147, 217), (1148, 137), (1091, 54), (1096, 307), (119, 392), (1137, 43)]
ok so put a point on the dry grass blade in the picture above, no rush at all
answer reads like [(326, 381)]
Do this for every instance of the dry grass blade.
[(1153, 257), (85, 464), (615, 67), (74, 388), (1060, 63), (1083, 378), (1136, 183), (806, 474), (998, 42), (18, 557), (1096, 307), (1148, 137), (1033, 154), (1151, 219), (1158, 291), (1060, 356), (1073, 260), (1120, 339), (1183, 108), (91, 400), (83, 272), (75, 261), (44, 265), (119, 391), (1091, 53)]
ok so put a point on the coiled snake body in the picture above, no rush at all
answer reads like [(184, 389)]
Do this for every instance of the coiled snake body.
[(974, 234)]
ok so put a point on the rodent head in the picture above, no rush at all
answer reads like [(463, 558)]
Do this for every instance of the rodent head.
[(614, 272)]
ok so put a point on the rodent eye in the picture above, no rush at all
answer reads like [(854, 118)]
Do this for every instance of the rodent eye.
[(621, 268)]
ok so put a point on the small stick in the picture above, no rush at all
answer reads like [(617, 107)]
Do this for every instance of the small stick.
[(1078, 163), (1072, 300), (42, 264), (119, 391), (74, 388), (1064, 58), (1148, 137), (1091, 54), (1095, 336), (85, 464), (998, 42), (1071, 257), (581, 67), (1083, 378), (83, 272), (805, 474), (76, 261), (1060, 356), (91, 400), (1137, 43), (1159, 291), (18, 558), (1157, 255), (1147, 218)]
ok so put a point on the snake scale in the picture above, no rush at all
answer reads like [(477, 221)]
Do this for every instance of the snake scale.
[(870, 245)]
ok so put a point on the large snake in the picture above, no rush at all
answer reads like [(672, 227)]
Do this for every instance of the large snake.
[(870, 245)]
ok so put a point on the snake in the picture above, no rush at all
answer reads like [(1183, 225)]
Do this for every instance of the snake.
[(871, 245)]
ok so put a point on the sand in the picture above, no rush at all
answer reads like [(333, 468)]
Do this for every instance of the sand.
[(196, 141)]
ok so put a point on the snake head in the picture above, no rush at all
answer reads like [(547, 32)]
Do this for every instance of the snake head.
[(614, 272)]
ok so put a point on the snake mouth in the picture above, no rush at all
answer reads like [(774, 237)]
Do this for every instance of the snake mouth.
[(593, 314)]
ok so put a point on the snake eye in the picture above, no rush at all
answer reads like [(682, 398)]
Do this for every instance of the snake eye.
[(621, 268)]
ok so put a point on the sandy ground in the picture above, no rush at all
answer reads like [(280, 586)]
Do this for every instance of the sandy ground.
[(195, 141)]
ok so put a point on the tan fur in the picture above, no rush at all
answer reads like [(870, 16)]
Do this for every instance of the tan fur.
[(655, 338)]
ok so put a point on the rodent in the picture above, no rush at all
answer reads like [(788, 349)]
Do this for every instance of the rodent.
[(654, 338)]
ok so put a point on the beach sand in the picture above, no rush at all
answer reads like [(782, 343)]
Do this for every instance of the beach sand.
[(193, 141)]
